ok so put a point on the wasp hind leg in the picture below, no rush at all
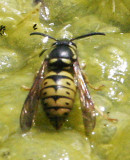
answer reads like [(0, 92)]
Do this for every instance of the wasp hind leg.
[(105, 116), (83, 66), (90, 85)]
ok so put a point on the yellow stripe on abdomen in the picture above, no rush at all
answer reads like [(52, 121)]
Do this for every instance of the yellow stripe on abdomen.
[(58, 90)]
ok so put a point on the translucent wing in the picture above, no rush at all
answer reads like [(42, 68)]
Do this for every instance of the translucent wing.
[(31, 103), (88, 110)]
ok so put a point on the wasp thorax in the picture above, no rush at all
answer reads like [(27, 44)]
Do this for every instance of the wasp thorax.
[(61, 56), (61, 51)]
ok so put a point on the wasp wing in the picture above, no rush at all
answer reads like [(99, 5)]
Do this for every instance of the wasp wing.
[(88, 110), (31, 103)]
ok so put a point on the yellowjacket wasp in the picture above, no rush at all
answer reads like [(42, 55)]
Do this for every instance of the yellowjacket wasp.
[(54, 85)]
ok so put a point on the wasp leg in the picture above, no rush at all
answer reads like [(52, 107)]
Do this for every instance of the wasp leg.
[(25, 88), (105, 116), (90, 85), (83, 66)]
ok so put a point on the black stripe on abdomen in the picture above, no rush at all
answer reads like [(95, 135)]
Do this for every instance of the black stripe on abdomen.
[(57, 97), (56, 87), (57, 107), (58, 77)]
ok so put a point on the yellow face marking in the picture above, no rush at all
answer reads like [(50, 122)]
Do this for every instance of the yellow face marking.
[(74, 57), (67, 61), (72, 47), (74, 52), (53, 60)]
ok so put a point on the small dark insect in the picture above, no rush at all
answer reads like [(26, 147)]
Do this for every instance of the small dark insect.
[(54, 85), (34, 26), (2, 29)]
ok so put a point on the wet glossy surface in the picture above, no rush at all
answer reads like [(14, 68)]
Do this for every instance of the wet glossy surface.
[(106, 63)]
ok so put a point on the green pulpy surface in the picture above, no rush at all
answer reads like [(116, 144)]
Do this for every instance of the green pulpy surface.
[(106, 59)]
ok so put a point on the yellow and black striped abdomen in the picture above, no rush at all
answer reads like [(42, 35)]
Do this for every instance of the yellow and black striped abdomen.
[(57, 94)]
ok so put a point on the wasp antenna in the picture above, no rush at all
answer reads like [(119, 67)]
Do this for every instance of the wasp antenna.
[(42, 34), (87, 35)]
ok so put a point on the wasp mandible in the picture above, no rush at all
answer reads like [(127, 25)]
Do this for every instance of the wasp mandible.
[(54, 86)]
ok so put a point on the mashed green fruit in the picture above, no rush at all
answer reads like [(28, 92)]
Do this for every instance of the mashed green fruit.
[(106, 59)]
